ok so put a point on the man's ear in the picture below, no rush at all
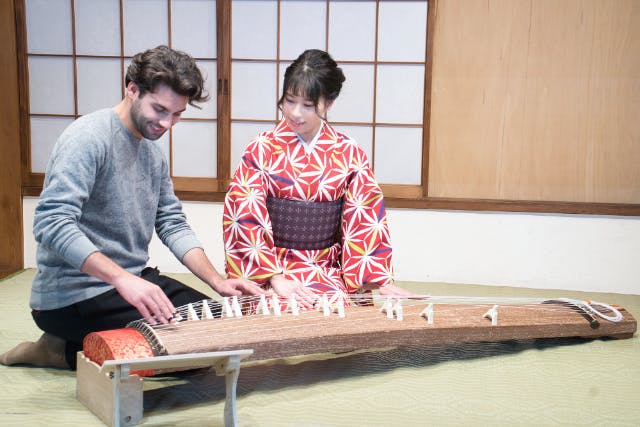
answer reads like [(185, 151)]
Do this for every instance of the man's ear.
[(133, 91)]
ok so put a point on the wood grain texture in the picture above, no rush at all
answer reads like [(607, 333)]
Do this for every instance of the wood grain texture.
[(365, 328), (11, 251), (536, 100)]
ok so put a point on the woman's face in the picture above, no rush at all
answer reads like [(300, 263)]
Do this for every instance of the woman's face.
[(302, 116)]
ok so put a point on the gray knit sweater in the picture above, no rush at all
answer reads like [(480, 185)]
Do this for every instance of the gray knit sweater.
[(104, 191)]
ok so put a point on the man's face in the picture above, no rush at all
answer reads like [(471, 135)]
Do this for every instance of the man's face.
[(153, 113)]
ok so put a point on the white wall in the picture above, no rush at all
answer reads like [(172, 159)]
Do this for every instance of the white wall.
[(573, 252)]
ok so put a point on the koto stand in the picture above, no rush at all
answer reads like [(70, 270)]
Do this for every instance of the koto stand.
[(114, 393)]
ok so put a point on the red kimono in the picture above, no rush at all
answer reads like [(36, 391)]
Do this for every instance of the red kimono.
[(276, 164)]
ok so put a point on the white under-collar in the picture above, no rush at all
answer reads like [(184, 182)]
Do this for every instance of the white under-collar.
[(309, 146)]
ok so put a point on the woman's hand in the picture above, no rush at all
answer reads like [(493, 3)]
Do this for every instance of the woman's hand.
[(237, 287), (285, 288), (398, 292)]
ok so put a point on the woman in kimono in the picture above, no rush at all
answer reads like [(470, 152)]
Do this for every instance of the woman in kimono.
[(304, 215)]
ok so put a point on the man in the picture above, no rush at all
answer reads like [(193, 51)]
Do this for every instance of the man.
[(107, 187)]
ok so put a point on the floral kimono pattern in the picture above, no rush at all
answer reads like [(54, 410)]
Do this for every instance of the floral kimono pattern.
[(276, 164)]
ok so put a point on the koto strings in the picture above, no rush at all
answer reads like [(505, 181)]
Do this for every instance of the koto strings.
[(233, 318)]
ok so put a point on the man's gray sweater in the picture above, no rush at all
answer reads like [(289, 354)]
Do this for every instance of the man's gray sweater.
[(105, 191)]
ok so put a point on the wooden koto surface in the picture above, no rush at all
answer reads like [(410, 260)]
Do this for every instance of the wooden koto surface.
[(362, 328)]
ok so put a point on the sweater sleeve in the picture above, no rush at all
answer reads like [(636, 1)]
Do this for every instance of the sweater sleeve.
[(70, 176), (171, 223)]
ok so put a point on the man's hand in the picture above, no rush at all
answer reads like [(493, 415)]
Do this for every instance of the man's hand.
[(146, 297)]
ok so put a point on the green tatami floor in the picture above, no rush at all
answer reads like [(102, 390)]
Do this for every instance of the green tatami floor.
[(547, 382)]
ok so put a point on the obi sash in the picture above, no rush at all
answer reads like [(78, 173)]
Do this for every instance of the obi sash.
[(303, 224)]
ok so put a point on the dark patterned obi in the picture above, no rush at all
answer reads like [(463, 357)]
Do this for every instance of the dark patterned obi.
[(302, 224)]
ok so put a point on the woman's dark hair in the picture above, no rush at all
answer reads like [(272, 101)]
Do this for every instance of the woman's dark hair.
[(176, 69), (313, 75)]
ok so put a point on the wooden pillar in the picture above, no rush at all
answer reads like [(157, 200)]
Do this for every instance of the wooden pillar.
[(11, 239)]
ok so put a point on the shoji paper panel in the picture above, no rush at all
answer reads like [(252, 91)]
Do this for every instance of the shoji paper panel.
[(352, 29), (402, 31), (51, 85), (97, 27), (44, 133), (49, 26), (145, 25), (194, 149), (93, 96), (397, 154), (241, 134), (302, 27), (254, 29), (194, 27), (355, 103)]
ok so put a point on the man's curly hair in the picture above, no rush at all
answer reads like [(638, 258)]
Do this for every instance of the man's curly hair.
[(176, 69)]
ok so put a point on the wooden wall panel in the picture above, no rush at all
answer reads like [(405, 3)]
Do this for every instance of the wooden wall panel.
[(536, 100), (11, 253)]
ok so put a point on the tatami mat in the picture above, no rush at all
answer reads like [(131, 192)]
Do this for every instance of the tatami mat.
[(517, 383)]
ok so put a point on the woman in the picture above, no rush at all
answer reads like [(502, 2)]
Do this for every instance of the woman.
[(303, 214)]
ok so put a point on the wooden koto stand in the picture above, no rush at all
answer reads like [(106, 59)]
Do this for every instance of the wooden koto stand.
[(114, 394)]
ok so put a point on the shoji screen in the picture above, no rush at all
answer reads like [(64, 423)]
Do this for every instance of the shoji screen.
[(77, 54), (380, 46), (77, 51), (53, 103)]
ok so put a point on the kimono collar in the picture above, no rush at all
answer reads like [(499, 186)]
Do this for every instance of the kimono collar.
[(309, 146)]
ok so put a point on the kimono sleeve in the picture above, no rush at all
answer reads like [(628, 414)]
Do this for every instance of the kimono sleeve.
[(248, 236), (366, 246)]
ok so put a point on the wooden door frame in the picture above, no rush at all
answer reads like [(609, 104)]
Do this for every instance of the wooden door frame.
[(11, 235)]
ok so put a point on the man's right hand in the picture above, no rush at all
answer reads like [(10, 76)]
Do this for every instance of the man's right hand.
[(146, 297)]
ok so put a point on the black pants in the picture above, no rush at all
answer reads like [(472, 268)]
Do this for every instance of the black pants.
[(106, 311)]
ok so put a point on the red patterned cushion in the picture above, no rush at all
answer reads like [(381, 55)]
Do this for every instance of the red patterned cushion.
[(117, 344)]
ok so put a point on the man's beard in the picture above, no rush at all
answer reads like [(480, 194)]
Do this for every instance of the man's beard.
[(141, 124)]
